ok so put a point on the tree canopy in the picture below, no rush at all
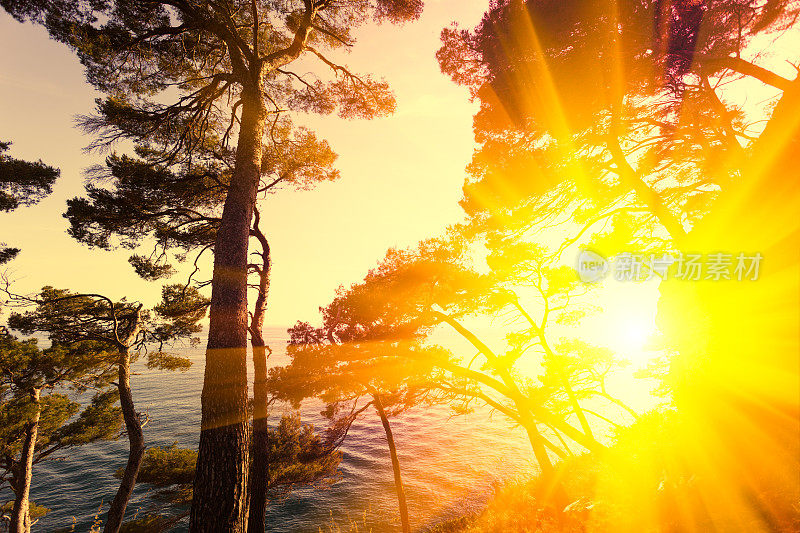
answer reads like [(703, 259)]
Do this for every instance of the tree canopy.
[(35, 425), (22, 183), (653, 142), (177, 206)]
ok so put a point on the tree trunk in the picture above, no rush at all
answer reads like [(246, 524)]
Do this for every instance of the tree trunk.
[(219, 504), (398, 482), (133, 427), (573, 400), (259, 474), (20, 515), (519, 399)]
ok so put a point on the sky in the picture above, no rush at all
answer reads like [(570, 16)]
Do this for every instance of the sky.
[(401, 176)]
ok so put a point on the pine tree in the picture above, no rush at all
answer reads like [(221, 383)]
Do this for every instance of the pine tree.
[(37, 422), (123, 329)]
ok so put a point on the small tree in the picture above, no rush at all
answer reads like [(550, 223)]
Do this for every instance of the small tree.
[(124, 329), (412, 292), (35, 420), (352, 363), (21, 183)]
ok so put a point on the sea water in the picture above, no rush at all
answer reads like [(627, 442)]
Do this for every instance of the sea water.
[(450, 464)]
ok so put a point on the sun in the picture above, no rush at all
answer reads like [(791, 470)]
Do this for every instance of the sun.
[(629, 332), (626, 322), (633, 332)]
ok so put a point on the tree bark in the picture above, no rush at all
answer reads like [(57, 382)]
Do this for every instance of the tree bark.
[(20, 515), (219, 504), (259, 475), (133, 427), (398, 482)]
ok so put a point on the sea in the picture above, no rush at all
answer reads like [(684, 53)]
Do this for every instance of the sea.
[(451, 464)]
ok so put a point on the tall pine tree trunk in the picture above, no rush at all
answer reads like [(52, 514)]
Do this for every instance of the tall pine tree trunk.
[(219, 503), (133, 427), (20, 515), (259, 475), (398, 482)]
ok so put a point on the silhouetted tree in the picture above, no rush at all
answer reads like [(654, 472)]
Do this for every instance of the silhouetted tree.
[(653, 140), (373, 340), (124, 329), (412, 292), (230, 64), (21, 183), (623, 112)]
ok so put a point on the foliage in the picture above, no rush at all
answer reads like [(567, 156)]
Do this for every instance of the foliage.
[(36, 512), (655, 157), (171, 465), (25, 368), (297, 456), (99, 420), (167, 361), (151, 523), (68, 317), (23, 365), (178, 204), (134, 51), (22, 183), (653, 143)]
